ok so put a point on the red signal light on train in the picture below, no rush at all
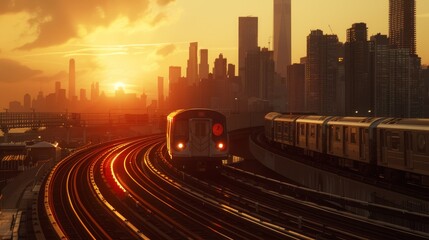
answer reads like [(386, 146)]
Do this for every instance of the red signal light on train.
[(217, 129)]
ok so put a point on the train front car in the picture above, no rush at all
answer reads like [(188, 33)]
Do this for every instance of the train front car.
[(197, 139), (403, 145), (269, 125)]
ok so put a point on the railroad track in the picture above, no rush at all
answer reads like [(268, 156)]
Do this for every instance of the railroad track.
[(128, 189)]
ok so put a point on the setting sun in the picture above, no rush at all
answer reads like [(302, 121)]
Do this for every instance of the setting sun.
[(119, 85)]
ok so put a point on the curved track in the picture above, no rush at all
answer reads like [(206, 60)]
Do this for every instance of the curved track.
[(128, 189)]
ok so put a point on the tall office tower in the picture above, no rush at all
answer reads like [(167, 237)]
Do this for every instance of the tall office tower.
[(282, 36), (219, 70), (72, 80), (160, 93), (321, 72), (402, 24), (204, 64), (82, 94), (394, 73), (231, 70), (247, 42), (192, 67), (174, 87), (27, 102), (95, 91), (295, 88), (259, 74), (357, 72)]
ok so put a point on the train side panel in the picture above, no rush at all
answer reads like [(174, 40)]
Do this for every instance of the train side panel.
[(311, 133), (403, 145), (352, 138)]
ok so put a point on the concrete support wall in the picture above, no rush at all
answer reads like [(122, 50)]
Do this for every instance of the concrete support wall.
[(328, 182)]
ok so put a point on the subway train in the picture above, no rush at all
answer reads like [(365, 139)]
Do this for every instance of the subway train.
[(396, 149), (197, 139)]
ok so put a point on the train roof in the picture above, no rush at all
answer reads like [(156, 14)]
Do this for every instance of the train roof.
[(287, 118), (272, 115), (355, 121), (419, 124), (313, 119), (195, 112)]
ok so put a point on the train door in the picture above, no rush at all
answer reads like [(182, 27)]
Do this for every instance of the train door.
[(408, 146), (345, 141), (199, 136), (363, 135)]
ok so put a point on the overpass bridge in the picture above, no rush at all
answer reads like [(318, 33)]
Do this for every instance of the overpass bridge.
[(36, 120)]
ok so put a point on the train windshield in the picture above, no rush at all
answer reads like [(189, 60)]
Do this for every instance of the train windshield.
[(181, 128)]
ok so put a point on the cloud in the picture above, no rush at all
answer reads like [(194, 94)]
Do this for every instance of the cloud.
[(166, 50), (158, 18), (59, 76), (13, 71), (164, 2), (59, 21)]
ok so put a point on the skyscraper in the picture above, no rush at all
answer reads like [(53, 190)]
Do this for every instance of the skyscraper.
[(357, 72), (282, 36), (160, 93), (247, 41), (321, 67), (259, 81), (402, 24), (204, 64), (219, 70), (72, 80), (192, 68), (295, 87)]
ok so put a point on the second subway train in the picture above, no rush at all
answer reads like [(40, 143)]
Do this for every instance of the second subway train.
[(392, 147)]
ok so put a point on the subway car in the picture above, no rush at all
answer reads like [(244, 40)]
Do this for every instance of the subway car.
[(197, 139), (396, 148)]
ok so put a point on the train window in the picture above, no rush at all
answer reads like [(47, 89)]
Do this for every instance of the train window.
[(421, 143), (395, 141), (302, 128), (337, 134), (201, 128), (353, 135), (181, 128)]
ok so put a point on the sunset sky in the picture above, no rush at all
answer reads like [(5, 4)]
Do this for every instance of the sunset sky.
[(135, 41)]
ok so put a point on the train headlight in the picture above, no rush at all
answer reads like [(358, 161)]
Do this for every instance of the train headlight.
[(180, 146), (220, 146)]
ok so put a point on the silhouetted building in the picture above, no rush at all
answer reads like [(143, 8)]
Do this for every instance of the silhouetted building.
[(295, 88), (27, 102), (402, 24), (282, 36), (259, 76), (95, 91), (247, 41), (321, 72), (231, 70), (359, 89), (204, 64), (82, 95), (72, 80), (425, 95), (160, 93), (395, 76), (219, 70), (192, 67)]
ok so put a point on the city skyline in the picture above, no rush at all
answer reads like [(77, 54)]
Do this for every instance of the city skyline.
[(146, 51)]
